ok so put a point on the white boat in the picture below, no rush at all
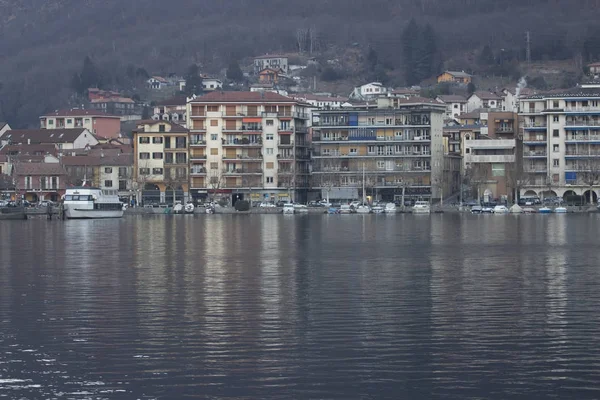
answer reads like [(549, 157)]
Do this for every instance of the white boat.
[(501, 210), (300, 208), (89, 202), (390, 208), (189, 208), (178, 208), (363, 209), (560, 210), (345, 209), (288, 208), (421, 207), (378, 209)]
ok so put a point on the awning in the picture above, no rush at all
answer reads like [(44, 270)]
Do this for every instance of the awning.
[(251, 119)]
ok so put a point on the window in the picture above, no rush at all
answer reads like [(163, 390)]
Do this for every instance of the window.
[(380, 164), (144, 140), (269, 165), (122, 185), (157, 140), (181, 158), (169, 158), (144, 156), (555, 148), (214, 165), (144, 171), (468, 150), (87, 120), (555, 178), (269, 136), (269, 179), (556, 162), (353, 151), (212, 108), (269, 150), (108, 170), (122, 171), (50, 122), (69, 121), (269, 122), (214, 122), (555, 118), (214, 151), (555, 132), (214, 136), (157, 171), (371, 149), (107, 184), (497, 169), (555, 104), (161, 128), (180, 142)]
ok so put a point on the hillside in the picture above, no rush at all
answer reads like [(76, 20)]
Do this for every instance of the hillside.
[(42, 43)]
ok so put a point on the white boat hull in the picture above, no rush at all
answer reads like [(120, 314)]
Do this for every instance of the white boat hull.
[(73, 213), (421, 211)]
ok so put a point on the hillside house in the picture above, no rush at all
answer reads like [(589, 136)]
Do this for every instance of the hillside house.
[(487, 100), (455, 105), (269, 75), (455, 77), (277, 62), (157, 82), (211, 84), (97, 122)]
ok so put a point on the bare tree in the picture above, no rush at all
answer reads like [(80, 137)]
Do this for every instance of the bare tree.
[(476, 175), (142, 175), (516, 179), (175, 178), (287, 180), (215, 180), (590, 176), (328, 177)]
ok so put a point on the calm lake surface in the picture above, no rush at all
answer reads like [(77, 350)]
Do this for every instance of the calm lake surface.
[(301, 307)]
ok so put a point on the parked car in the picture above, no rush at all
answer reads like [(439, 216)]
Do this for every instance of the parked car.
[(314, 204), (553, 201), (476, 209), (280, 203), (487, 209), (46, 203), (3, 203), (265, 204), (325, 203)]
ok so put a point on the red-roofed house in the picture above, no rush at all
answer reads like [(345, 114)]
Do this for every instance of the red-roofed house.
[(97, 122)]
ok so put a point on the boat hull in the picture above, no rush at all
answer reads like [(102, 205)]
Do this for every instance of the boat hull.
[(73, 213), (13, 214), (421, 211)]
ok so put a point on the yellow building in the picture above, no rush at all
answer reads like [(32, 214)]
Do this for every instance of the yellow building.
[(161, 155), (455, 77)]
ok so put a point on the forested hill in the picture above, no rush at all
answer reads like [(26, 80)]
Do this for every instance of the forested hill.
[(43, 42)]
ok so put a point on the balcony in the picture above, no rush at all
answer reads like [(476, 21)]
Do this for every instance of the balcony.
[(288, 144), (535, 141), (588, 109), (251, 128), (535, 169), (285, 156), (503, 158), (534, 154), (491, 144), (278, 114), (346, 139), (582, 138), (197, 143), (243, 171), (535, 125), (241, 143), (200, 157), (582, 153), (197, 171), (234, 114), (505, 129), (583, 123)]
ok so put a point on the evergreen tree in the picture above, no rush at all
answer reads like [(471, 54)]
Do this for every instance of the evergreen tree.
[(487, 56), (193, 81), (372, 59), (471, 88), (234, 72), (88, 77), (410, 51), (427, 53)]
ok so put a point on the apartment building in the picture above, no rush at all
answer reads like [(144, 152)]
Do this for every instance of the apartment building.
[(561, 139), (491, 152), (160, 151), (248, 145), (97, 122), (394, 148)]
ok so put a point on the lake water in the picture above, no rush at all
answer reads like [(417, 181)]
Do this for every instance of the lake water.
[(316, 306)]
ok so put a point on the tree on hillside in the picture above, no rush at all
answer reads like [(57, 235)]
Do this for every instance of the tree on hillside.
[(427, 53), (88, 77), (193, 81), (234, 72), (420, 51), (487, 56), (471, 88), (410, 50)]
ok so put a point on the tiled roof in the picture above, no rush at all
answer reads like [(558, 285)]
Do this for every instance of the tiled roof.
[(452, 98), (173, 101), (458, 74), (122, 160), (417, 100), (39, 168), (242, 97), (112, 100), (270, 56), (36, 136), (29, 148), (314, 97), (2, 125), (487, 95), (78, 112), (175, 128), (571, 93)]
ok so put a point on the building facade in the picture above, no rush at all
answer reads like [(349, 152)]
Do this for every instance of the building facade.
[(64, 139), (97, 122), (275, 62), (455, 77), (561, 138), (248, 145), (37, 181), (390, 150), (161, 152)]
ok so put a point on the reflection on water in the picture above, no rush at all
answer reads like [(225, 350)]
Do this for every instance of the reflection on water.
[(325, 306)]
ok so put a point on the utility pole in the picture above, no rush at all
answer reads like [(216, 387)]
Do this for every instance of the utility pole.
[(528, 51)]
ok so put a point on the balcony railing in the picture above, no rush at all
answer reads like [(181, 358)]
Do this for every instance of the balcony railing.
[(497, 158), (583, 109), (533, 154), (535, 169), (583, 123), (530, 125), (583, 153), (238, 171), (372, 138), (197, 142), (242, 142), (582, 138), (288, 144), (197, 171)]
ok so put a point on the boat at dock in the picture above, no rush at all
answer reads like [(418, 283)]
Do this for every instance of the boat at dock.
[(13, 213), (90, 203), (421, 207)]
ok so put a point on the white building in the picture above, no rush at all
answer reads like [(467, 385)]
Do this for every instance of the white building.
[(561, 143), (455, 105), (64, 139), (487, 100), (368, 91), (210, 84), (322, 102), (276, 62)]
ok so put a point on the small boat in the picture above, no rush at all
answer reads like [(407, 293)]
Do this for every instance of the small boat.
[(210, 208), (390, 208), (14, 213), (501, 210), (288, 208), (333, 210), (189, 208), (178, 208), (378, 209), (363, 209), (529, 210), (545, 210), (89, 203), (560, 210), (345, 209), (300, 208), (421, 207)]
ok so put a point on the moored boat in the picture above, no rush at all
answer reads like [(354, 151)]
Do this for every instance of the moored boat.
[(560, 210), (421, 207), (378, 209), (363, 209), (89, 202), (288, 208), (300, 208), (545, 210), (390, 208), (14, 213)]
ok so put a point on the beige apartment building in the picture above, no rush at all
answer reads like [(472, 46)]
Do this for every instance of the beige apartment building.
[(248, 146)]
